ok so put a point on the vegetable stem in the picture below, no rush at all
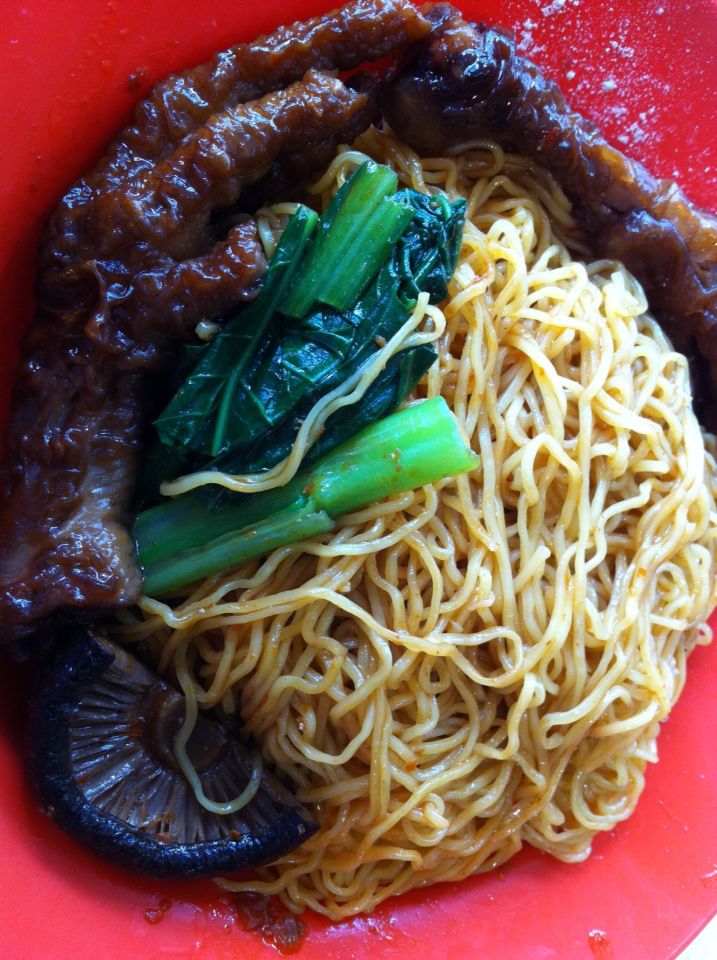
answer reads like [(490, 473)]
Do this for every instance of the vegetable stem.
[(356, 235), (299, 521), (358, 271), (189, 520), (418, 445)]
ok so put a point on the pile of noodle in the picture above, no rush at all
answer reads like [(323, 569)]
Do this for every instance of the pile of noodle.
[(486, 661)]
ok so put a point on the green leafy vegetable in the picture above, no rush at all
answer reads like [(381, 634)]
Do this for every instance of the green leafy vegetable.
[(246, 394), (162, 461), (426, 257), (173, 524), (418, 445), (303, 360), (183, 522), (185, 420), (267, 369), (393, 384), (355, 238)]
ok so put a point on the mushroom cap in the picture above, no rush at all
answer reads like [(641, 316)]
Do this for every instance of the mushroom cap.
[(101, 737)]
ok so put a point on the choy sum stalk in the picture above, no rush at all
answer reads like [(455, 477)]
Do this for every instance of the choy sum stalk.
[(418, 445)]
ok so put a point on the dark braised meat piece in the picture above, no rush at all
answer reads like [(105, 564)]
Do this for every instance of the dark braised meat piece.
[(299, 165), (151, 239), (468, 81), (76, 426), (129, 263), (342, 39)]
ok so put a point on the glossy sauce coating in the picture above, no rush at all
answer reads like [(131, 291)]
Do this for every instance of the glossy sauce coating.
[(469, 81), (129, 263)]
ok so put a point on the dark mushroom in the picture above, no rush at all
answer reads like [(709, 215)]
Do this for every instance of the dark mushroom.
[(101, 735)]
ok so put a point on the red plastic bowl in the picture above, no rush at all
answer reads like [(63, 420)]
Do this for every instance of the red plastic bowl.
[(646, 70)]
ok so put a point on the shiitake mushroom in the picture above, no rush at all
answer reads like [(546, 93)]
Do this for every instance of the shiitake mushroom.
[(101, 756)]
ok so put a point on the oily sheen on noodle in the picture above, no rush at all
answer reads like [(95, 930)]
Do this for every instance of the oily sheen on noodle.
[(484, 662)]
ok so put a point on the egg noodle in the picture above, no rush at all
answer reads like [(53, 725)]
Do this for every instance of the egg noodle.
[(485, 661)]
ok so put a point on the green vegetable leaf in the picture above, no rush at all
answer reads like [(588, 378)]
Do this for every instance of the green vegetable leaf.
[(427, 254), (211, 384), (188, 521), (386, 393), (303, 360), (246, 394)]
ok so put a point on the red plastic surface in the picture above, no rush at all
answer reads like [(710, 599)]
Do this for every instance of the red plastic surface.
[(70, 71)]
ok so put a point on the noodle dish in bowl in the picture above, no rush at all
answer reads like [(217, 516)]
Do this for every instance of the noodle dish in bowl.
[(358, 506)]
